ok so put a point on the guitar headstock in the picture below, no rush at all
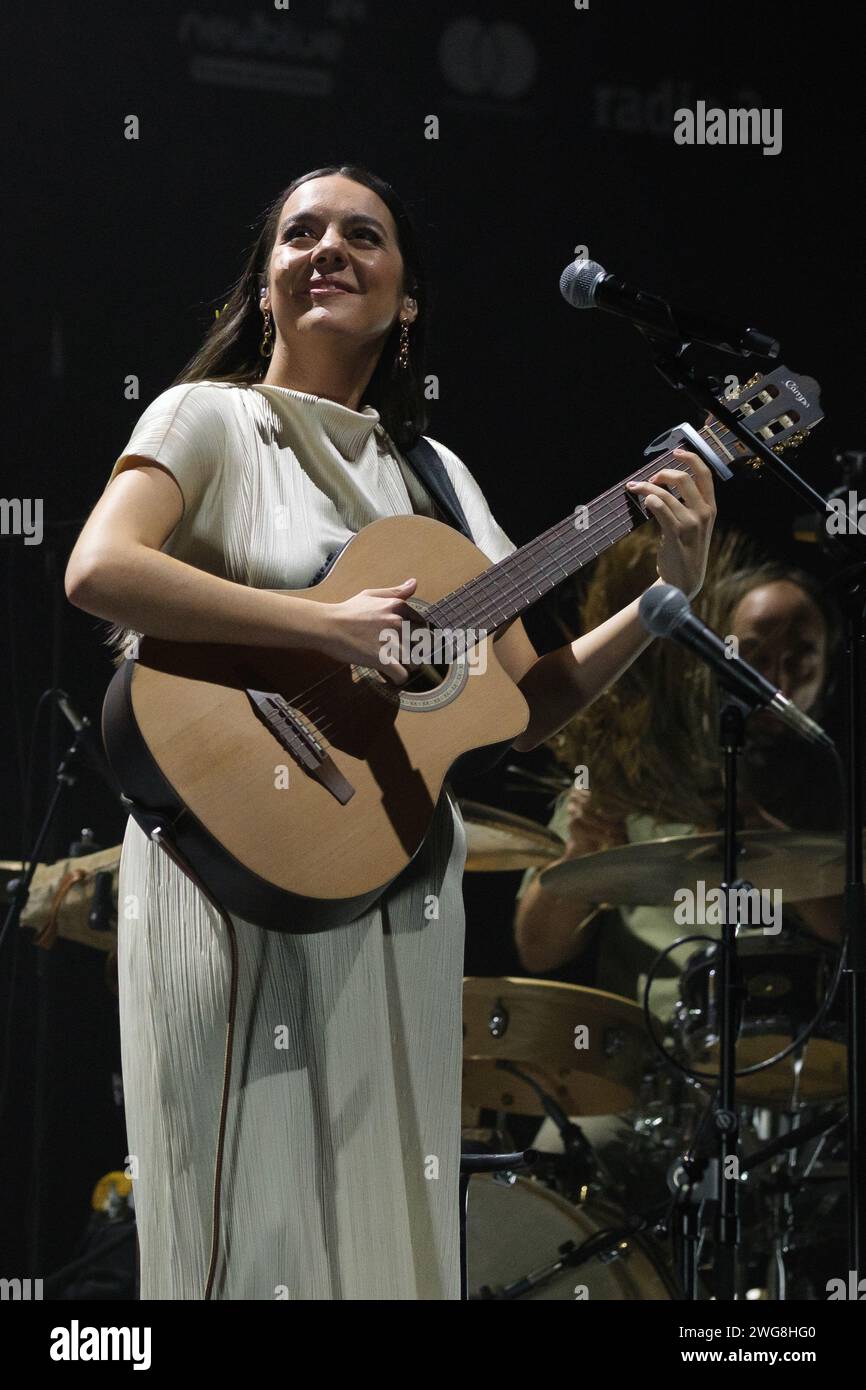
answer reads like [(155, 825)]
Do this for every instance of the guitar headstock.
[(781, 406)]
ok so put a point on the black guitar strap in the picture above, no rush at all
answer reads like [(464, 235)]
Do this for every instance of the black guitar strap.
[(431, 471)]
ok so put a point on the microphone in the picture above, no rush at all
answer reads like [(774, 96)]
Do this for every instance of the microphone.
[(585, 284), (665, 612), (78, 721), (90, 749)]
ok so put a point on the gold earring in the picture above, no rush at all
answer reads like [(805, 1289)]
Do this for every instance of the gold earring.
[(266, 346), (404, 346)]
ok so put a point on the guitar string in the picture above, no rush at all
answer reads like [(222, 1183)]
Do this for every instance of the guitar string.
[(517, 558), (723, 435), (488, 582), (482, 582), (492, 580)]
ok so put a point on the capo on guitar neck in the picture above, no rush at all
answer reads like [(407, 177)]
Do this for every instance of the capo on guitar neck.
[(686, 434)]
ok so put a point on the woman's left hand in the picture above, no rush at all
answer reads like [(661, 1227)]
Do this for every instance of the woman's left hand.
[(685, 521)]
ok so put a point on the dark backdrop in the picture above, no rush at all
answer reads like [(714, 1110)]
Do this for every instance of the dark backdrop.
[(555, 129)]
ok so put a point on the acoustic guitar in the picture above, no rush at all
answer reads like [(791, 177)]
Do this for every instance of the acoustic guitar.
[(297, 789)]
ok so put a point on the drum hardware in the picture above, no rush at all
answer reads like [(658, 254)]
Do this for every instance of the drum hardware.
[(662, 1052), (693, 1180), (605, 1246), (578, 1167), (780, 982), (482, 1161), (551, 1169), (779, 1189), (795, 973), (819, 1126), (499, 1019)]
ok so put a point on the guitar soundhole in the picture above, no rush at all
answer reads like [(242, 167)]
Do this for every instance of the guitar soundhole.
[(421, 679), (437, 661), (424, 681), (431, 668)]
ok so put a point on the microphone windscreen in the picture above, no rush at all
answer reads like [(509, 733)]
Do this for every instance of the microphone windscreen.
[(662, 608), (578, 281)]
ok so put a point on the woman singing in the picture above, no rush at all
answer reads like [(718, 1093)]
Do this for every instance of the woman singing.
[(280, 441)]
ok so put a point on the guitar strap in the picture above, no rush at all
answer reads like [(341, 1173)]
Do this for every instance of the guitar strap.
[(429, 468)]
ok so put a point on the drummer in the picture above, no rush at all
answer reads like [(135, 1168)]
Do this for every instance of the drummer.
[(644, 762)]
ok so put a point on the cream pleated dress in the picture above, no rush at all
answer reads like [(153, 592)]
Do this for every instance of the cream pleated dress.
[(340, 1176)]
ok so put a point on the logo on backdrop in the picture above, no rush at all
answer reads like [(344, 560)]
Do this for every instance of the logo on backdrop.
[(651, 111), (487, 58), (273, 52)]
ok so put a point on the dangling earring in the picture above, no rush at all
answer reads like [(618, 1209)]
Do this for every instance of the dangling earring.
[(266, 346), (404, 346)]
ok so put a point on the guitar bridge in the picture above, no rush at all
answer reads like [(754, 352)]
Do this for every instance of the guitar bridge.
[(293, 732)]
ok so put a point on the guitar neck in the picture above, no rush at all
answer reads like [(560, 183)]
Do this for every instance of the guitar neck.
[(511, 586)]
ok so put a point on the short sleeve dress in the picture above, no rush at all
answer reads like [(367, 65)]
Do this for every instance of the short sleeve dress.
[(341, 1159)]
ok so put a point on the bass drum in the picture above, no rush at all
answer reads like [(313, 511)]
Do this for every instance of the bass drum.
[(518, 1228)]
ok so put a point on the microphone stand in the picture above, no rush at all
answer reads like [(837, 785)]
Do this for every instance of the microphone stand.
[(668, 353), (732, 725), (64, 777), (691, 1197), (851, 587)]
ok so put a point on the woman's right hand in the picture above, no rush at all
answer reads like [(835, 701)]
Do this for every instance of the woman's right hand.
[(353, 629)]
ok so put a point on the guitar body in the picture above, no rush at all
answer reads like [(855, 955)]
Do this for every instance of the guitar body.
[(296, 789), (272, 841)]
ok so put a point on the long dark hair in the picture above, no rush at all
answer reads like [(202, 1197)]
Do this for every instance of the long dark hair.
[(230, 351)]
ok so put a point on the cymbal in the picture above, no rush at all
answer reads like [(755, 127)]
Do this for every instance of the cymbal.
[(649, 873), (498, 841), (587, 1048)]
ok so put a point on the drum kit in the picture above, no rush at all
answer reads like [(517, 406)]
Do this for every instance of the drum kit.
[(615, 1198)]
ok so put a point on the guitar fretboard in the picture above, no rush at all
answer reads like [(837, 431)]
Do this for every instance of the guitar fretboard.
[(512, 585)]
